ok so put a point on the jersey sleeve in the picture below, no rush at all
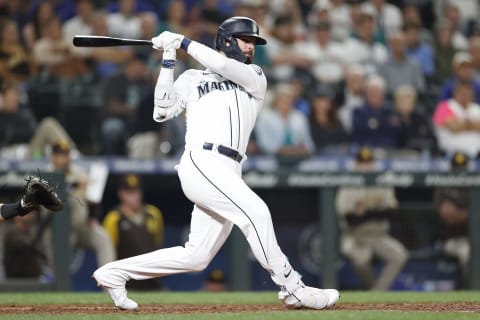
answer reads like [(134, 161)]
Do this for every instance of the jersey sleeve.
[(156, 225), (251, 77), (442, 114)]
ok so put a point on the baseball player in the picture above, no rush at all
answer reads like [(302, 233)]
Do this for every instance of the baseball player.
[(222, 104), (37, 192)]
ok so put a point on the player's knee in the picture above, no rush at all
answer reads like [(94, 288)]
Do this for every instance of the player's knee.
[(199, 264)]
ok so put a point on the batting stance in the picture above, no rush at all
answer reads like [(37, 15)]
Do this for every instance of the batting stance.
[(222, 104)]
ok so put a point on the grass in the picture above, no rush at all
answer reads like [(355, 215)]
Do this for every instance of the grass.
[(245, 298)]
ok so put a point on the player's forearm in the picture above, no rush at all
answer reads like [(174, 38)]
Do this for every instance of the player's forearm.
[(165, 96), (229, 68)]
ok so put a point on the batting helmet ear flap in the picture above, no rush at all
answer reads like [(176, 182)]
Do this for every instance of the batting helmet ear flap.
[(230, 47)]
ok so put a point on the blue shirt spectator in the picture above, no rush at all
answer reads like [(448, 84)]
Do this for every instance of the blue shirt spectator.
[(375, 124), (463, 71), (419, 50)]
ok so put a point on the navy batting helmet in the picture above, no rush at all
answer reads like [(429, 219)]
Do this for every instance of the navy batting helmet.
[(232, 27)]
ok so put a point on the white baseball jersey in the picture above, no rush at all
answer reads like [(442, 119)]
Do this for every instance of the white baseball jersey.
[(222, 105)]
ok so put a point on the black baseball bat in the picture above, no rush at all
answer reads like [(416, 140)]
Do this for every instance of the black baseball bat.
[(101, 41)]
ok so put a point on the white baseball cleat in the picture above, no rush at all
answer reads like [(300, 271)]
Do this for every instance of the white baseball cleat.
[(310, 297), (120, 299)]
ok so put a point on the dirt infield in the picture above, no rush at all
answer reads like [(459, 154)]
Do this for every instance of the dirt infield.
[(469, 307)]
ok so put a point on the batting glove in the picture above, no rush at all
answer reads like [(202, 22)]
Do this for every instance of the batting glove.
[(167, 40)]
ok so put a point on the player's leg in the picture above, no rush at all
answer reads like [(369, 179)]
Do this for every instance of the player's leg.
[(394, 255), (360, 255), (214, 182), (95, 237), (208, 232)]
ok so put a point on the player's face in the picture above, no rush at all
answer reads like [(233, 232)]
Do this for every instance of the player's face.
[(247, 45), (61, 161)]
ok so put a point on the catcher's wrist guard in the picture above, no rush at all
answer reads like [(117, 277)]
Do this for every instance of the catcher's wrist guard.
[(11, 210)]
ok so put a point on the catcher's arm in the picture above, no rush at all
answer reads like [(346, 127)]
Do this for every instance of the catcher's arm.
[(37, 192)]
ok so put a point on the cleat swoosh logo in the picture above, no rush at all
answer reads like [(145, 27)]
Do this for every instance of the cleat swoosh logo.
[(288, 273)]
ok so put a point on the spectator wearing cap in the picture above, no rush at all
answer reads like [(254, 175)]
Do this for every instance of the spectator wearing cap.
[(364, 46), (418, 134), (85, 231), (457, 121), (353, 95), (418, 49), (326, 129), (134, 227), (281, 129), (364, 224), (451, 205), (327, 56), (399, 69), (375, 124), (462, 71)]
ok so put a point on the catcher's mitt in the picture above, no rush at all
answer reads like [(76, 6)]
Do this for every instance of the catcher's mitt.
[(39, 192)]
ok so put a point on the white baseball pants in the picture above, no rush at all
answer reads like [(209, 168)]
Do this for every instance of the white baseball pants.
[(213, 182)]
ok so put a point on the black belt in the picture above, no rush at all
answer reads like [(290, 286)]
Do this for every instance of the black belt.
[(226, 151)]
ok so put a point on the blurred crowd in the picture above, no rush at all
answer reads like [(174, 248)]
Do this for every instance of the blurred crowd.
[(400, 76)]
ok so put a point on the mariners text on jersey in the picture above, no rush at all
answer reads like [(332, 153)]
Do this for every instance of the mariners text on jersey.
[(207, 86)]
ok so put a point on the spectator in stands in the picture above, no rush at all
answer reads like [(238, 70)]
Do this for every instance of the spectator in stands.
[(15, 63), (375, 124), (388, 17), (176, 19), (80, 24), (462, 71), (108, 59), (326, 129), (418, 134), (134, 227), (153, 140), (353, 95), (364, 223), (20, 137), (53, 54), (125, 23), (327, 56), (413, 17), (85, 231), (451, 12), (399, 69), (457, 121), (444, 51), (418, 49), (452, 207), (148, 30), (363, 47), (35, 29), (210, 17), (284, 51), (474, 50), (339, 17), (123, 93), (281, 129), (23, 256)]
